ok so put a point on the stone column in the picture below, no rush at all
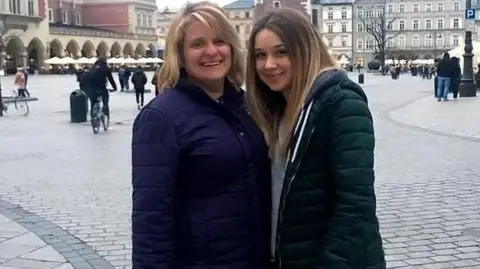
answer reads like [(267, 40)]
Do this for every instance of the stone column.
[(24, 59)]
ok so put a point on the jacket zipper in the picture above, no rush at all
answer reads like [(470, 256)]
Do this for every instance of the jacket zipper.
[(305, 113)]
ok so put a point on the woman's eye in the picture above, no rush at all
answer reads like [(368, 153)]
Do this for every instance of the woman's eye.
[(220, 42)]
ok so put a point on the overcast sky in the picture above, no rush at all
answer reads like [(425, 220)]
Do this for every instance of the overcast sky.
[(180, 3)]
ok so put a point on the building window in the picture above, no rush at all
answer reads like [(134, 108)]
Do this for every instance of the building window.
[(330, 42), (402, 8), (64, 17), (50, 15), (315, 16), (31, 8), (390, 8), (415, 7), (144, 20), (439, 41), (415, 24), (344, 28), (78, 18), (344, 14), (428, 41), (276, 4), (330, 15), (428, 7), (139, 19), (150, 21), (456, 23), (247, 14), (440, 6), (330, 28), (14, 6), (359, 27), (359, 44), (344, 41), (401, 41), (416, 41), (440, 24), (428, 24), (456, 6), (390, 42), (390, 26), (455, 40), (369, 44), (247, 29), (360, 13), (379, 13), (401, 25), (237, 27)]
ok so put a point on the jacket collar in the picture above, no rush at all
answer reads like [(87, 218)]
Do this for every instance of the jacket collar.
[(231, 93)]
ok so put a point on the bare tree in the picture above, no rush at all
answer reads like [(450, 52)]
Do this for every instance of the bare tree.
[(379, 25)]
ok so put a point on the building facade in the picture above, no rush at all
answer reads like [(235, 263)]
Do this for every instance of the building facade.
[(164, 18), (241, 14), (40, 29), (334, 20), (420, 29), (262, 6)]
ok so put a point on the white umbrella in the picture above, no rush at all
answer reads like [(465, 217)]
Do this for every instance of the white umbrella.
[(54, 60), (344, 60), (83, 60), (68, 60), (129, 61), (115, 61)]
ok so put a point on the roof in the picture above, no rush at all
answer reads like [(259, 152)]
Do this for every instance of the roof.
[(336, 2), (82, 27), (240, 4)]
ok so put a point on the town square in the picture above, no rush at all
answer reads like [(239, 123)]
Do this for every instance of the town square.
[(66, 193)]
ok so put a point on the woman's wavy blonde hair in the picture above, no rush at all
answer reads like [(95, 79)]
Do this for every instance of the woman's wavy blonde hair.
[(212, 15), (308, 56)]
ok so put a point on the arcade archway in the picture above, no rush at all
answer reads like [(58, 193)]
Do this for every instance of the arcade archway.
[(16, 55), (72, 49), (102, 50), (128, 50), (88, 49), (151, 51), (35, 50), (140, 50), (56, 48), (115, 50)]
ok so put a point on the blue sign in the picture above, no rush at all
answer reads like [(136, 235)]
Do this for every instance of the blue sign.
[(470, 14)]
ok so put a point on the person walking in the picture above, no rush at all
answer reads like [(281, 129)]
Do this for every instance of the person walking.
[(445, 71), (20, 82), (320, 132), (139, 79), (200, 167), (155, 80), (455, 77)]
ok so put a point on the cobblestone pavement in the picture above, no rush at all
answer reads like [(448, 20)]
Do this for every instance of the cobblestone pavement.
[(69, 180), (457, 117)]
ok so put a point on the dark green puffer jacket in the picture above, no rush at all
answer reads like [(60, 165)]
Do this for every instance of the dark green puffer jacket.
[(327, 216)]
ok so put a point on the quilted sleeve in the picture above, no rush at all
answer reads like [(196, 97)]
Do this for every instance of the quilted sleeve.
[(155, 154), (352, 239)]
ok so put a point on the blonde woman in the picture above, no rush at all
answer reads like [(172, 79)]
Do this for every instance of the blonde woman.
[(201, 189), (320, 132)]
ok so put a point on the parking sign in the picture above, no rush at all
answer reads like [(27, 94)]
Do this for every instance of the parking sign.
[(470, 14)]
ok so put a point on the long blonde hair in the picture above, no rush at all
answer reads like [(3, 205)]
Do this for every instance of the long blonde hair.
[(308, 55), (213, 16)]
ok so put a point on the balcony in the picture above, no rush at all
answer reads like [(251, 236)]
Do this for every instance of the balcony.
[(19, 21), (77, 30)]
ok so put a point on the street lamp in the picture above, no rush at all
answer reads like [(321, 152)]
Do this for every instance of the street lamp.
[(467, 86)]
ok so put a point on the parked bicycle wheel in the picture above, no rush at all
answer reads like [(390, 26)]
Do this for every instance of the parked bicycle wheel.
[(95, 121), (21, 106), (105, 122)]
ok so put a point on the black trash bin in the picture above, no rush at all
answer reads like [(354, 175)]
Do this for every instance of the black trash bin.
[(78, 106), (361, 78)]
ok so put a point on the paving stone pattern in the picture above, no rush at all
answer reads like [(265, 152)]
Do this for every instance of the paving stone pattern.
[(427, 183)]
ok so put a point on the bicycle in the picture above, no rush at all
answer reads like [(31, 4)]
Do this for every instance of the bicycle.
[(98, 115), (19, 101)]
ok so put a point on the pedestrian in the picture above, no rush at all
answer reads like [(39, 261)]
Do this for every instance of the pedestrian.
[(444, 73), (320, 134), (20, 82), (122, 76), (139, 79), (455, 77), (201, 173), (155, 80)]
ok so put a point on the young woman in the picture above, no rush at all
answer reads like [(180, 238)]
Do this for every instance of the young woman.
[(320, 132), (201, 189)]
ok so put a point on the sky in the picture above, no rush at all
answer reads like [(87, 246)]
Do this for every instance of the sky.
[(180, 3)]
